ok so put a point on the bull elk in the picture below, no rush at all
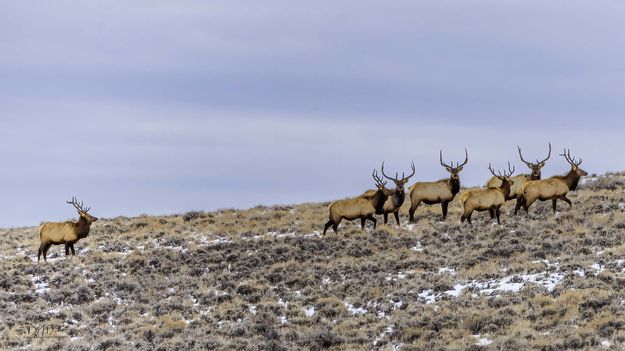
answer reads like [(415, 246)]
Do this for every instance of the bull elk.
[(488, 199), (395, 201), (521, 179), (554, 188), (363, 206), (442, 191), (68, 233)]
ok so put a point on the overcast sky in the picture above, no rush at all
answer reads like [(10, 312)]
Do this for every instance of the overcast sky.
[(164, 107)]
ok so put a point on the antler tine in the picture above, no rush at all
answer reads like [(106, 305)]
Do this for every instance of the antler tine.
[(385, 176), (466, 158), (411, 174), (573, 158), (511, 169), (522, 159), (443, 163), (548, 155), (490, 168), (377, 178)]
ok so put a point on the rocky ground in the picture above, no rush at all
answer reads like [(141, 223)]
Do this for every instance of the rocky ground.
[(264, 278)]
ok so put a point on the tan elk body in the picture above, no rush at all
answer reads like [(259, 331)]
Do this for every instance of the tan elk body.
[(442, 191), (363, 206), (554, 188), (67, 233), (487, 199)]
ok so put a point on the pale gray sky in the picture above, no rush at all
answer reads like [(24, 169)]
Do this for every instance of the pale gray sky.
[(163, 107)]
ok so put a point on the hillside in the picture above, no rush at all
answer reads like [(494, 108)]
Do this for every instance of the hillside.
[(264, 278)]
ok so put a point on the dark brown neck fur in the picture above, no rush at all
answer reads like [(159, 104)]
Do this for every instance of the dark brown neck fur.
[(454, 185), (82, 227), (378, 199), (571, 179)]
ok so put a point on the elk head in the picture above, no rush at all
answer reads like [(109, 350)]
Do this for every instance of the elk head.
[(83, 212), (574, 164), (454, 171), (399, 182), (381, 184), (535, 167)]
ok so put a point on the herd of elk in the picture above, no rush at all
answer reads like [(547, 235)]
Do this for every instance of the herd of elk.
[(442, 191), (68, 233), (501, 187)]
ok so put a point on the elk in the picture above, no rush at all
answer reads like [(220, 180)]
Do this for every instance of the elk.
[(488, 199), (68, 233), (442, 191), (363, 206), (554, 188), (519, 180), (394, 202)]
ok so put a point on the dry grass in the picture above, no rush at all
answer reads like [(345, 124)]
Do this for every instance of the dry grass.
[(265, 279)]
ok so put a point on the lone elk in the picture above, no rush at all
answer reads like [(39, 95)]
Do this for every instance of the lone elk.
[(68, 233)]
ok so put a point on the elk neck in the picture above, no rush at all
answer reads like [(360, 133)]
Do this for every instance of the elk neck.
[(505, 189), (572, 179), (378, 200), (398, 198), (82, 227), (454, 185)]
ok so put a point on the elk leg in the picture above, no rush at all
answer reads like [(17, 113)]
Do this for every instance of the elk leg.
[(566, 199), (328, 224), (372, 219), (554, 204), (335, 227), (497, 212), (397, 216), (72, 247), (519, 203), (66, 250), (469, 218), (42, 247), (45, 251), (492, 213), (362, 222), (444, 206), (385, 218), (411, 211)]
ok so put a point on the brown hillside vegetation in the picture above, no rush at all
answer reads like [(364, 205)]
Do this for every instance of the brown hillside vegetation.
[(264, 278)]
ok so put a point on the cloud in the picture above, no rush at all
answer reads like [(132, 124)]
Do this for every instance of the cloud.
[(165, 107)]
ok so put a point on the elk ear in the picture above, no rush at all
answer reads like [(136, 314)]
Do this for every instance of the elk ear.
[(542, 164), (449, 169), (459, 169)]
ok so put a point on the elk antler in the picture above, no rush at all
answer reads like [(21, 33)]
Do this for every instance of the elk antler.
[(529, 164), (78, 206), (569, 159), (411, 174), (403, 175), (378, 179), (548, 155), (466, 159), (504, 175)]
